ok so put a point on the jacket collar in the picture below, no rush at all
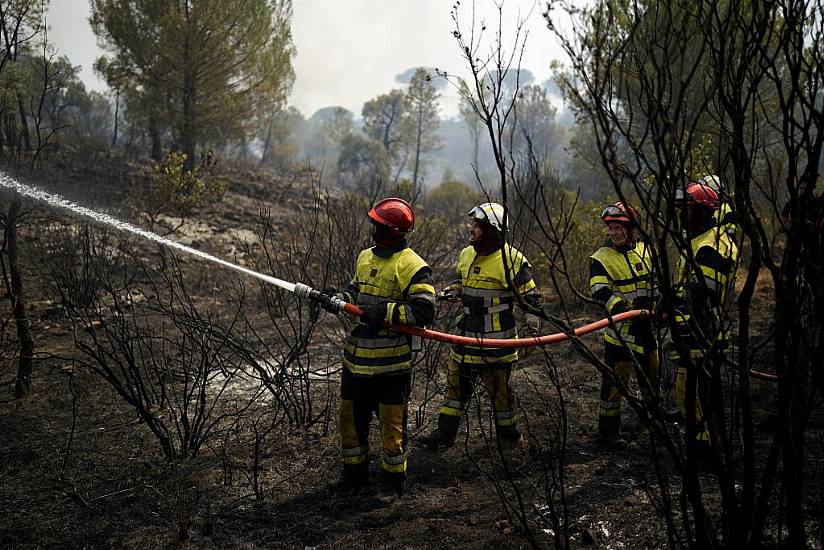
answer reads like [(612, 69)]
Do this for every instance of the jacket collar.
[(386, 252)]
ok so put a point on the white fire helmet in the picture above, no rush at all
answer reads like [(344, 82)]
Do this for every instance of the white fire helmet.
[(489, 212), (713, 181)]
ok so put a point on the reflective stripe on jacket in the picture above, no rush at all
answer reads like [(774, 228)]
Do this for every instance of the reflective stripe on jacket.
[(702, 292), (621, 279), (725, 220), (402, 281), (488, 302)]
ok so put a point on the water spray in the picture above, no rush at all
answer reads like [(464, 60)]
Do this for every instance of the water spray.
[(59, 202)]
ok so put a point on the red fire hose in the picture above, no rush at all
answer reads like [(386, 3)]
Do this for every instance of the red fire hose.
[(526, 342), (303, 291)]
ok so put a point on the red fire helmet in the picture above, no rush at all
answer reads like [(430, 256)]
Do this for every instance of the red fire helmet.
[(394, 213), (619, 212), (700, 194)]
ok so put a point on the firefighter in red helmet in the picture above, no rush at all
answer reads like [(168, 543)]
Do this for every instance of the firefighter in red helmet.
[(705, 279), (392, 285), (621, 278)]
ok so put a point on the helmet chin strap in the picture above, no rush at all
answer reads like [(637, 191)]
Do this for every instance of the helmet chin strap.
[(696, 219), (629, 236), (490, 238), (385, 237)]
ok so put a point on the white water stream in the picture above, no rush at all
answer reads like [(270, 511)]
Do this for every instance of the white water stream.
[(59, 202)]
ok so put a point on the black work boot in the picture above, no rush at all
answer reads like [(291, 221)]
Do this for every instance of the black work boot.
[(354, 476), (390, 488), (611, 440), (609, 428), (444, 435), (509, 436), (707, 459)]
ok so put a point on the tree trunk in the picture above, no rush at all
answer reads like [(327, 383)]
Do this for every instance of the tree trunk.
[(188, 137), (417, 149), (267, 143), (476, 139), (24, 366), (154, 134), (789, 407), (748, 480), (401, 166), (9, 131), (116, 114), (188, 142), (24, 124)]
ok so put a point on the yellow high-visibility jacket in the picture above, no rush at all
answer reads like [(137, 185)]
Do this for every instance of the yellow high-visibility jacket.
[(725, 220), (702, 291), (401, 280), (488, 302), (621, 279)]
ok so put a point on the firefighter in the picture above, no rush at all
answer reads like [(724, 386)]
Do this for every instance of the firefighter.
[(724, 216), (621, 279), (705, 279), (488, 301), (393, 285)]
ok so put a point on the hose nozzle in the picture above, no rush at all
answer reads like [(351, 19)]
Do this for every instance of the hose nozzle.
[(328, 302), (306, 292)]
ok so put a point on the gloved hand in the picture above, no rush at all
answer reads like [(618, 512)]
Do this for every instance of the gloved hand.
[(451, 293), (659, 313), (325, 299), (620, 307), (535, 300), (374, 315), (534, 324), (644, 322)]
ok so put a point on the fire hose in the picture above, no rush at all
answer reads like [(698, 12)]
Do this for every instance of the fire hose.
[(303, 291)]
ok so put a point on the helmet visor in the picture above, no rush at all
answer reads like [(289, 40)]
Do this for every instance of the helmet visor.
[(477, 213), (613, 211)]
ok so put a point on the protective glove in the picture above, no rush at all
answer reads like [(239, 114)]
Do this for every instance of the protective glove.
[(325, 299), (374, 315), (450, 293), (620, 307), (659, 313), (534, 324), (645, 323), (535, 300)]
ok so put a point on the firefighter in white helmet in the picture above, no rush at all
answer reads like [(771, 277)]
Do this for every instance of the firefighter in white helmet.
[(488, 302), (725, 216)]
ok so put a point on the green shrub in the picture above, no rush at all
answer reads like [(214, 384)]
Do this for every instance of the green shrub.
[(181, 190)]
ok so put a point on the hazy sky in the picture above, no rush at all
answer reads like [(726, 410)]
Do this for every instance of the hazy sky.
[(349, 51)]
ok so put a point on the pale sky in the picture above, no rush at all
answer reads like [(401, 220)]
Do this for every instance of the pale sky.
[(349, 51)]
